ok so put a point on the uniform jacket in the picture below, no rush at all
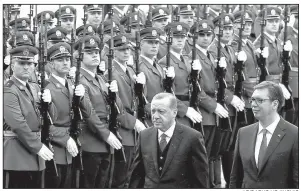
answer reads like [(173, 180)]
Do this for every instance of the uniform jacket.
[(21, 115), (186, 164), (281, 161)]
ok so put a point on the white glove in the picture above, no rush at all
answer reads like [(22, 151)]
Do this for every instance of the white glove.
[(102, 66), (113, 141), (196, 65), (140, 79), (242, 56), (237, 103), (170, 72), (292, 21), (221, 111), (71, 147), (130, 62), (193, 115), (7, 60), (113, 86), (36, 58), (45, 153), (264, 52), (46, 96), (286, 93), (80, 90), (72, 72), (139, 126), (288, 46), (222, 62)]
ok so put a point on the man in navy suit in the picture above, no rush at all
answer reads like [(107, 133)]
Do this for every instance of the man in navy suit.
[(169, 155), (266, 153)]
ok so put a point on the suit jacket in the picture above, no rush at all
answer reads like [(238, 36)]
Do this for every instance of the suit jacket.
[(186, 164), (22, 117), (280, 164)]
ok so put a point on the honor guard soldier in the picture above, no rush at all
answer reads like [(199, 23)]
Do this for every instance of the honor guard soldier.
[(94, 14), (23, 24), (24, 154), (125, 77), (182, 69), (96, 141), (48, 18), (56, 35), (134, 22), (67, 15), (210, 109), (160, 16), (90, 30), (250, 65)]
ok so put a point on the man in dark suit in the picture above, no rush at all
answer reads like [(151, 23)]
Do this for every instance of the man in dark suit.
[(266, 152), (169, 155)]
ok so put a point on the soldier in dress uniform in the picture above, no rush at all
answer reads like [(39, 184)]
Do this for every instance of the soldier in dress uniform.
[(209, 107), (126, 78), (56, 35), (182, 67), (90, 30), (48, 17), (23, 24), (97, 141), (94, 14), (68, 17), (24, 154)]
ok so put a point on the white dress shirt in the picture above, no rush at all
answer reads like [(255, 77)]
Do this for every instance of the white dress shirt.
[(273, 38), (21, 81), (150, 61), (270, 130), (91, 73), (168, 133), (121, 66), (201, 49), (177, 55), (60, 79)]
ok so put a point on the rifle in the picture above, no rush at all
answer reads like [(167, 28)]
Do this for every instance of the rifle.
[(14, 46), (59, 19), (195, 87), (35, 26), (30, 15), (148, 22), (206, 11), (6, 34), (168, 81), (289, 104), (45, 117), (261, 60), (240, 116), (114, 111), (101, 45)]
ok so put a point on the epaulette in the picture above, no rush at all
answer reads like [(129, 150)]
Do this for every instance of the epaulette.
[(9, 83)]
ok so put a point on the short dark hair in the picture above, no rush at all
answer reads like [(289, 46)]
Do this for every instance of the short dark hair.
[(172, 99), (275, 91)]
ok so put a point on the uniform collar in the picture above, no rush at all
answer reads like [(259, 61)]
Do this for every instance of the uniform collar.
[(60, 79), (89, 72)]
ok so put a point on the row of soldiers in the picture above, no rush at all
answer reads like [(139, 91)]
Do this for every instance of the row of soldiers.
[(153, 53)]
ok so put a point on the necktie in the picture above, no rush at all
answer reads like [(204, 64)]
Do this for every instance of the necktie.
[(66, 84), (182, 59), (163, 142), (127, 73), (28, 88), (154, 64), (226, 48), (263, 148), (208, 55)]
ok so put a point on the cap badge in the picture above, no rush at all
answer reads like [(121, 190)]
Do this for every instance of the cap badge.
[(136, 17), (188, 7), (114, 24), (24, 23), (58, 33), (92, 41), (179, 28), (68, 10), (154, 33), (247, 15), (204, 25), (161, 12), (227, 19), (47, 16), (90, 29), (26, 52), (62, 49), (123, 39), (273, 12), (25, 37)]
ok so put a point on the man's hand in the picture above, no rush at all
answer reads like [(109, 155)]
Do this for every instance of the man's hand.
[(72, 72), (71, 147), (140, 79), (139, 126), (46, 96), (80, 90), (286, 93), (193, 115), (102, 66), (222, 62), (114, 142), (45, 153), (288, 46), (113, 86), (237, 103), (264, 52), (196, 65), (242, 56), (170, 72), (221, 111)]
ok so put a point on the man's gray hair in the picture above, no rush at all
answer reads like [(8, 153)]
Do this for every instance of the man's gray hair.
[(172, 99)]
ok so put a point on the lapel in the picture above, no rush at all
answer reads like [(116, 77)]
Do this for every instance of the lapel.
[(173, 147), (277, 136), (121, 72), (154, 147), (203, 57), (151, 67), (253, 137), (60, 86), (90, 78), (180, 64), (23, 88)]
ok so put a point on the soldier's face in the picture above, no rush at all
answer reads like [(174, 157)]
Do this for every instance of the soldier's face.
[(227, 34), (161, 23), (272, 26), (122, 55), (150, 47), (204, 39), (61, 66), (67, 23), (22, 70), (91, 58), (94, 18), (188, 19), (178, 42), (162, 114), (247, 29)]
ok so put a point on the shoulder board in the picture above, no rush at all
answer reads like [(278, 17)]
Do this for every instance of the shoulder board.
[(9, 83)]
